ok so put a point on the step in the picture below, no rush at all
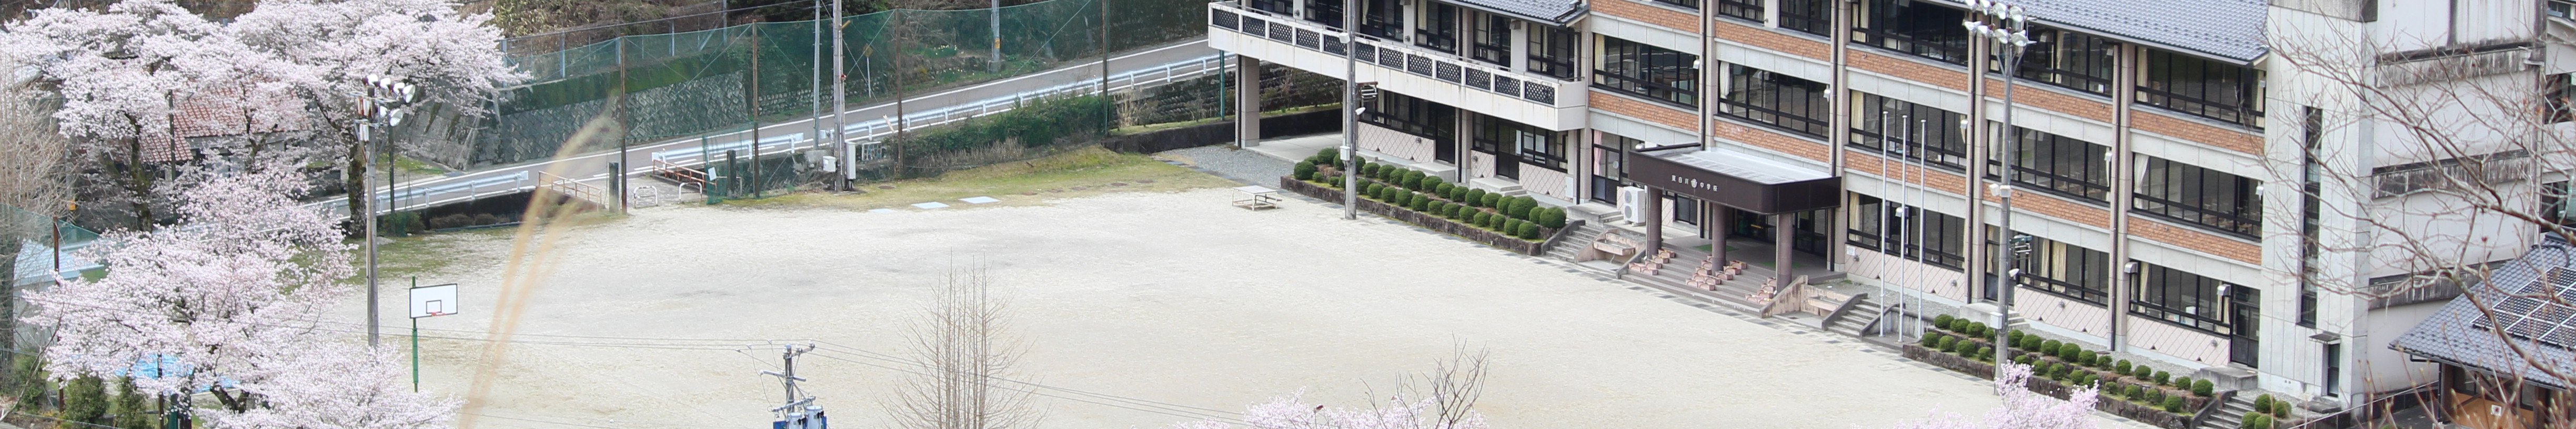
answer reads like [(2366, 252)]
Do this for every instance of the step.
[(1506, 187)]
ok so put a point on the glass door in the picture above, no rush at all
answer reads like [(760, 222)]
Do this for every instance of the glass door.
[(2244, 317), (1606, 172)]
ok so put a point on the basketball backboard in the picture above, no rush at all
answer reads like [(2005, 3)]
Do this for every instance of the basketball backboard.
[(428, 301)]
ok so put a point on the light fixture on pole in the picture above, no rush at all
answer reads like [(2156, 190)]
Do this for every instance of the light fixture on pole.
[(383, 104), (2006, 29)]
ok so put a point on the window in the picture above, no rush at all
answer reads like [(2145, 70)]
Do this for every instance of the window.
[(1909, 131), (1551, 51), (2184, 299), (1646, 71), (2311, 208), (1693, 4), (1749, 10), (1807, 16), (1283, 7), (2555, 204), (2068, 59), (2059, 165), (1788, 103), (1327, 12), (1414, 116), (1382, 18), (2562, 97), (1867, 214), (1609, 166), (1438, 27), (1920, 28), (1530, 144), (1493, 39), (2562, 9), (2213, 200), (1685, 209), (2199, 87), (1909, 232), (2057, 268)]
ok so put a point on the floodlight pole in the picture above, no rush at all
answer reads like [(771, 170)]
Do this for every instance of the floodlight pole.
[(415, 343), (2007, 28), (1350, 114), (841, 103), (367, 207)]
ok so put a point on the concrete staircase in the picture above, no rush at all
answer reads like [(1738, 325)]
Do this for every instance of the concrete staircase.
[(1860, 320), (1676, 274), (1496, 185), (2231, 415), (1582, 237)]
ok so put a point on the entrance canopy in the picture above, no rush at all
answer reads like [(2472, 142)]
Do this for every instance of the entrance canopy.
[(1736, 179)]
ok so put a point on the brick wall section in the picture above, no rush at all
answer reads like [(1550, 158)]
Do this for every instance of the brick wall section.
[(2055, 206), (1652, 111), (1908, 69), (2195, 239), (1772, 40), (1776, 141), (2030, 94), (1939, 179), (1651, 14), (2149, 119)]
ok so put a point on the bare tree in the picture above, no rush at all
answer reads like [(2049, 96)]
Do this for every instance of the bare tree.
[(962, 341), (1443, 398), (2437, 158)]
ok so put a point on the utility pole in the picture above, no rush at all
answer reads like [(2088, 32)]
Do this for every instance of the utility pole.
[(753, 101), (997, 36), (799, 411), (841, 102), (2008, 28), (1108, 120), (816, 88), (1350, 114)]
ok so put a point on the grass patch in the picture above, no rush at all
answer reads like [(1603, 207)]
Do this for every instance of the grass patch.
[(1093, 170), (1147, 128)]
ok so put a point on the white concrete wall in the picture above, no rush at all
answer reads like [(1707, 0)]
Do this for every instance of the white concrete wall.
[(1551, 183), (2194, 347), (1396, 144)]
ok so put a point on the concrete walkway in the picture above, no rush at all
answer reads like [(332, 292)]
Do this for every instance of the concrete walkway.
[(1297, 148)]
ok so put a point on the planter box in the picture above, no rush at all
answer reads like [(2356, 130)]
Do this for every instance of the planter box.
[(2042, 385), (1426, 220)]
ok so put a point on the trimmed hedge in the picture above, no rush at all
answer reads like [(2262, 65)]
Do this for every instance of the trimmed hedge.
[(1429, 209)]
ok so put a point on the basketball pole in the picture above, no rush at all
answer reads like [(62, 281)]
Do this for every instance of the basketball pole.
[(415, 344)]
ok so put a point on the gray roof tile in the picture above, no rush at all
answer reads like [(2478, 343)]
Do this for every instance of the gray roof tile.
[(1553, 12), (2222, 29), (2454, 335)]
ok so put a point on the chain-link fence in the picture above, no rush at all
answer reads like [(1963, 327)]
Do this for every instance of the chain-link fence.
[(691, 83)]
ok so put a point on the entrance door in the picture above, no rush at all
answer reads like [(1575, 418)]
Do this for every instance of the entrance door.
[(2243, 314), (1444, 150), (1606, 171), (1507, 162)]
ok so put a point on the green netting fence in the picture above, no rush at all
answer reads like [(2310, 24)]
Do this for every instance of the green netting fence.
[(687, 84)]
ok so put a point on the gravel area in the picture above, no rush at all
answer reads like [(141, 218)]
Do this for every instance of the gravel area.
[(1175, 297), (1233, 164)]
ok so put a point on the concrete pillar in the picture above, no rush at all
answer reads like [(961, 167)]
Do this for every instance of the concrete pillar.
[(1654, 220), (1783, 230), (1247, 93), (1718, 215)]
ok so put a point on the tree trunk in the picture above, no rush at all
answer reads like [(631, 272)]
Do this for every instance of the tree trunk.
[(357, 185)]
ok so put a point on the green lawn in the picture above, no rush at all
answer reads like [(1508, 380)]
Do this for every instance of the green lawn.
[(1088, 171)]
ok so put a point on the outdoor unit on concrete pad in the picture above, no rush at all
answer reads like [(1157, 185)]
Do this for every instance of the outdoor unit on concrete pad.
[(1631, 203)]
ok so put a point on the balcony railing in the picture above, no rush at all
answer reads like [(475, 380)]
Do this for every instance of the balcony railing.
[(1543, 88)]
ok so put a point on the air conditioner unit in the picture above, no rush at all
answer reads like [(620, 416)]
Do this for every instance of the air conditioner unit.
[(1632, 203)]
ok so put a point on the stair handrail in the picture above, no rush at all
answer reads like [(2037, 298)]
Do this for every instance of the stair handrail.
[(1552, 239), (574, 188), (2216, 403), (1632, 260), (1844, 309)]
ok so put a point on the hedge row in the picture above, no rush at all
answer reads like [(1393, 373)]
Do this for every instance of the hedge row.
[(1521, 217), (2071, 363)]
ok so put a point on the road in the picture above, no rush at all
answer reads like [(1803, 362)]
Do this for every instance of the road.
[(1145, 68)]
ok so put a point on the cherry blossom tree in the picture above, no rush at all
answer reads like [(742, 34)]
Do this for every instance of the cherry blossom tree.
[(2023, 409), (229, 301), (116, 71), (1443, 398), (454, 58)]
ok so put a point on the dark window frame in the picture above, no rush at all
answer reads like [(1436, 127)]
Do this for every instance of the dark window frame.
[(1276, 7), (2058, 268), (1764, 97), (1807, 16), (1946, 234), (1436, 26), (2201, 87), (1414, 116), (1492, 43), (2201, 197), (1489, 134), (1647, 71), (1918, 28), (1685, 4), (1749, 10), (2184, 299), (1327, 12), (1383, 19), (2059, 165), (2560, 98), (1946, 146), (2066, 59), (1551, 51)]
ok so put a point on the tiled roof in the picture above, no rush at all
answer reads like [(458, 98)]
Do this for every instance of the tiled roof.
[(1553, 12), (2220, 29), (2458, 334), (202, 116)]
